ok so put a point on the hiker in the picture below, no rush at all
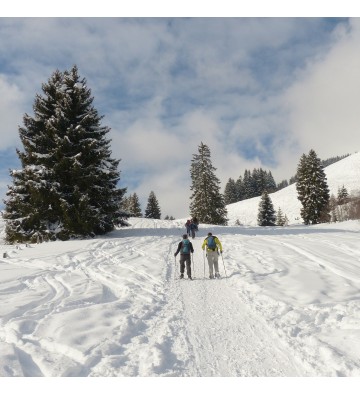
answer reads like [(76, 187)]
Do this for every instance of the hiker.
[(187, 225), (193, 228), (185, 247), (213, 245)]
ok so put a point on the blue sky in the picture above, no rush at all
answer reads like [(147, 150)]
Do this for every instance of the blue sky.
[(257, 91)]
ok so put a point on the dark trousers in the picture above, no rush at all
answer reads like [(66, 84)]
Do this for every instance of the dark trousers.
[(185, 258)]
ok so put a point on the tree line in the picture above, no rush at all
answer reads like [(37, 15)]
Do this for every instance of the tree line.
[(67, 186), (251, 184)]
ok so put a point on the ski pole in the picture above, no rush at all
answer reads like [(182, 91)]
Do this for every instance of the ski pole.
[(204, 261), (223, 263), (175, 267), (192, 258)]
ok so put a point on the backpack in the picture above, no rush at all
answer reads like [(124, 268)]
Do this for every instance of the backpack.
[(185, 249), (211, 243)]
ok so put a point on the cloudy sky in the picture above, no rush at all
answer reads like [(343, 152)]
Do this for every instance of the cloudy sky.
[(258, 91)]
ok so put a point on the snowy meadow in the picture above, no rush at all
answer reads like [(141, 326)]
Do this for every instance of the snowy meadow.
[(287, 303)]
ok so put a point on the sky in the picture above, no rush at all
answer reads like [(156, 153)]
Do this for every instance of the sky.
[(259, 91)]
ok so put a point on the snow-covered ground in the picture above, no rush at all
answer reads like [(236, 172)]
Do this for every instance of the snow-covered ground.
[(287, 304)]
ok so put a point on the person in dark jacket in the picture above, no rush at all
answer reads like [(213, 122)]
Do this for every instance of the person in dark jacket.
[(193, 228), (187, 226), (185, 248)]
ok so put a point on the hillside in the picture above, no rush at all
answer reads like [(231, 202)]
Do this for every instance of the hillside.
[(344, 172)]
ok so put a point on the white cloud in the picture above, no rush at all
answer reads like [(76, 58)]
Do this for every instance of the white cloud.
[(11, 104), (324, 101)]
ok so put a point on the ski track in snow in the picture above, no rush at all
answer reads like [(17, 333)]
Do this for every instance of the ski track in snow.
[(114, 306)]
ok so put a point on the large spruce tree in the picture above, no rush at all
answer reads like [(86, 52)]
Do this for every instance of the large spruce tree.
[(67, 186), (207, 203), (312, 188), (152, 209)]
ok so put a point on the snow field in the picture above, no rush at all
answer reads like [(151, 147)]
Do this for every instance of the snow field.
[(114, 307)]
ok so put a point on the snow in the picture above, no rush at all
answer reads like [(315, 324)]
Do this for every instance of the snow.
[(287, 304), (114, 306)]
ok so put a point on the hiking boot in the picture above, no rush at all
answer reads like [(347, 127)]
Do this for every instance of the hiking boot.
[(211, 277), (181, 276), (189, 277), (217, 275)]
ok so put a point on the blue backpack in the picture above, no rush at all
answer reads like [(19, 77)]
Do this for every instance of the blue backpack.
[(185, 246), (211, 243)]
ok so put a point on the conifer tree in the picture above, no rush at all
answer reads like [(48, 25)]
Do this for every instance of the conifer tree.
[(270, 184), (343, 195), (280, 218), (135, 206), (312, 188), (266, 214), (125, 204), (230, 192), (240, 189), (207, 203), (286, 221), (248, 185), (152, 209), (257, 182), (67, 186)]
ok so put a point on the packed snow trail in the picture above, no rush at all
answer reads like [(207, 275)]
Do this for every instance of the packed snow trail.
[(227, 339)]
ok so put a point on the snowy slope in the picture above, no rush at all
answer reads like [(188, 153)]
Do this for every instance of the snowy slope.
[(114, 306), (344, 172)]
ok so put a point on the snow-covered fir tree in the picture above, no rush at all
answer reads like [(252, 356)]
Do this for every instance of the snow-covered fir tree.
[(266, 213), (270, 184), (240, 189), (248, 184), (280, 218), (135, 207), (230, 192), (343, 195), (126, 205), (312, 188), (67, 186), (207, 203), (152, 209)]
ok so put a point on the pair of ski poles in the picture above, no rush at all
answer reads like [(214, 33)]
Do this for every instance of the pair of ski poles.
[(222, 261)]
